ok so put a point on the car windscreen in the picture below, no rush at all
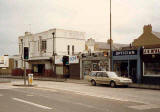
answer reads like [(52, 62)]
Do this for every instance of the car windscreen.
[(112, 74)]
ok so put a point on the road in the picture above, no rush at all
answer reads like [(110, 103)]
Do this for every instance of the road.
[(70, 97)]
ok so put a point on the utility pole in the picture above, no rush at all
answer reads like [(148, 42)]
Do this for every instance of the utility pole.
[(110, 38)]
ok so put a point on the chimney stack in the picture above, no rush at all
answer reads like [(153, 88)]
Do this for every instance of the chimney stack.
[(147, 28)]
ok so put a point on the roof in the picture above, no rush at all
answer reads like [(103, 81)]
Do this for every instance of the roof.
[(105, 45), (157, 34)]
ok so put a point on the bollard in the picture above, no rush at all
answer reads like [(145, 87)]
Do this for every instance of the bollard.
[(30, 79)]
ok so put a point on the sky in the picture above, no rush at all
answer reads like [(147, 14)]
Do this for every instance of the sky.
[(90, 16)]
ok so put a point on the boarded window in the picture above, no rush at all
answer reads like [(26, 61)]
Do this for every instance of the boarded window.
[(59, 70)]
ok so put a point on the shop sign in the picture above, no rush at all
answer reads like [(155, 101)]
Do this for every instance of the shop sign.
[(58, 59), (126, 52), (151, 51), (72, 59)]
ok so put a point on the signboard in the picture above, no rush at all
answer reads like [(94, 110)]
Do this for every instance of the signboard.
[(126, 52), (151, 51), (4, 61), (58, 59), (72, 59)]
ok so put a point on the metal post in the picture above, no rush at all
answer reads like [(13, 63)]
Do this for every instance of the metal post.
[(53, 55), (110, 39), (24, 72)]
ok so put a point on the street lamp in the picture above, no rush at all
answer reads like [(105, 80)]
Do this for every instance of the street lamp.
[(110, 38)]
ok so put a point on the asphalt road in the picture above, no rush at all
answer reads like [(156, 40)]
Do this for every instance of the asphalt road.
[(39, 99)]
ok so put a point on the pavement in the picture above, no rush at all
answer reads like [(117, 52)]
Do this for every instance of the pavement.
[(49, 96)]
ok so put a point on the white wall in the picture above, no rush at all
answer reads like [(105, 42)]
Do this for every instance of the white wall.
[(63, 38), (62, 46)]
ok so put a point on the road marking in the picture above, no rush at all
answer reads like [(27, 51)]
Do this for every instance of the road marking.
[(34, 104), (30, 95), (45, 89), (144, 107)]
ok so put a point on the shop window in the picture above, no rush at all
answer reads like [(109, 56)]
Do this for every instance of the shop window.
[(151, 69), (38, 68)]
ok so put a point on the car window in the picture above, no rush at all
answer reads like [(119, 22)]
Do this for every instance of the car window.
[(104, 74), (93, 74), (99, 74)]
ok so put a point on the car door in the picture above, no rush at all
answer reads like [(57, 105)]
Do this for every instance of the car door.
[(99, 77), (106, 79)]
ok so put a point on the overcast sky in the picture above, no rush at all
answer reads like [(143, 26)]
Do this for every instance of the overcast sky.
[(90, 16)]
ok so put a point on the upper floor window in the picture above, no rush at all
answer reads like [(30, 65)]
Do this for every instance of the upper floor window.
[(44, 45), (72, 49), (68, 49)]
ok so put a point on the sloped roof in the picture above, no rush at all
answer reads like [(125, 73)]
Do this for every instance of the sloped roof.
[(105, 45), (157, 34)]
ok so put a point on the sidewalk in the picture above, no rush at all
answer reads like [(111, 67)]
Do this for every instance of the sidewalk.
[(2, 80), (143, 86)]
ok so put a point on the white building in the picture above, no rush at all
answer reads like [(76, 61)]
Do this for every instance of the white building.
[(47, 48)]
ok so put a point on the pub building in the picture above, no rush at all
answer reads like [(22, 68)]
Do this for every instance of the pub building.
[(127, 63), (151, 65)]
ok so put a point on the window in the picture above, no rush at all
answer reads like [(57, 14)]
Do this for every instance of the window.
[(105, 74), (151, 69), (44, 45), (16, 64), (92, 74), (38, 68), (72, 49), (68, 49), (99, 74)]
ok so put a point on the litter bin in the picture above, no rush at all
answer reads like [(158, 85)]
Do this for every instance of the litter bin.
[(30, 79)]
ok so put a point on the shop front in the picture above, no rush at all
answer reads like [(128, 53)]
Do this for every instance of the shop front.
[(94, 64), (70, 70), (151, 66), (127, 63)]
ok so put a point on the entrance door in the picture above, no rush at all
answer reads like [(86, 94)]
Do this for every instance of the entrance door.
[(124, 68), (133, 70), (66, 71)]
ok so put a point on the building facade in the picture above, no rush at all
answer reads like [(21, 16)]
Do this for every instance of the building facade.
[(144, 64), (46, 50), (127, 63)]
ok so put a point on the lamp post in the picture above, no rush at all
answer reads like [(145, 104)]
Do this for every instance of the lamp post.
[(110, 38)]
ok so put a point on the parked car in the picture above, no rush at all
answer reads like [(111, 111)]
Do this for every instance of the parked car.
[(107, 77)]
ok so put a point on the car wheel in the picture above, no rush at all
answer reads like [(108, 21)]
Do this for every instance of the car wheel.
[(93, 83), (112, 84)]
